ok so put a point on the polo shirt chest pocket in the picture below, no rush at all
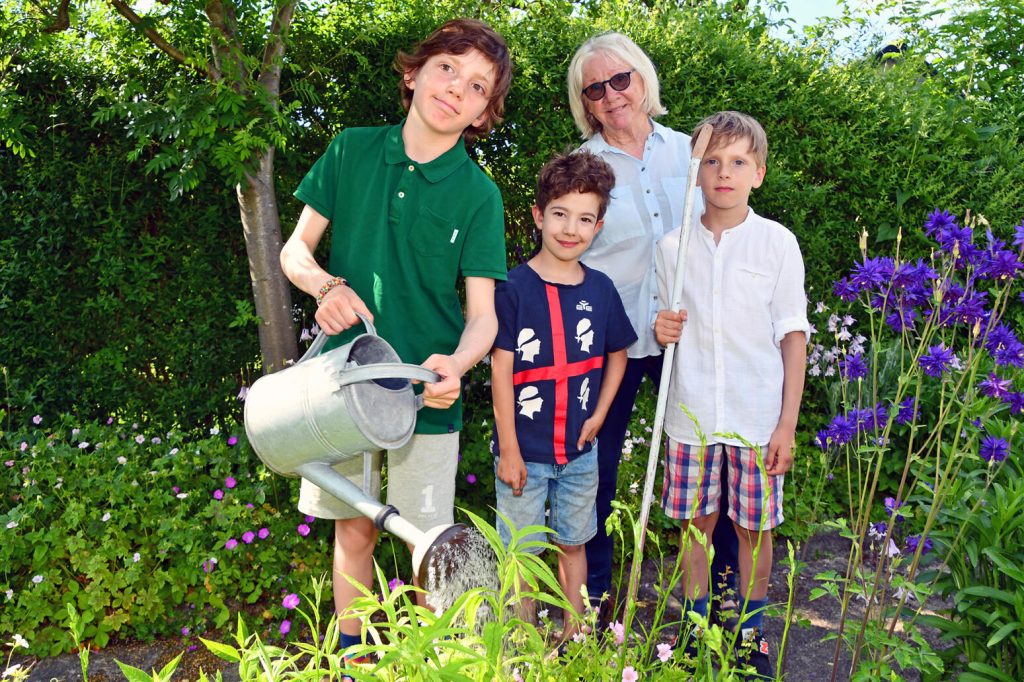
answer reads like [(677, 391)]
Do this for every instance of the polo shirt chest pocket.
[(432, 235)]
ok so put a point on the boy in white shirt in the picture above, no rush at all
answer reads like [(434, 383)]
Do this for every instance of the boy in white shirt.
[(739, 368)]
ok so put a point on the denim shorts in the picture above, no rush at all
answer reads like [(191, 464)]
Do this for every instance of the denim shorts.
[(570, 490)]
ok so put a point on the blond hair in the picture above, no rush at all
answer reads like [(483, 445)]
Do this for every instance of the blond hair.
[(624, 50), (731, 126)]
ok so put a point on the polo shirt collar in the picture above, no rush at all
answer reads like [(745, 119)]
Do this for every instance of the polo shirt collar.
[(433, 171)]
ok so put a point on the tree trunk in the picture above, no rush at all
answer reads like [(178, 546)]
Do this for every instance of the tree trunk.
[(261, 225)]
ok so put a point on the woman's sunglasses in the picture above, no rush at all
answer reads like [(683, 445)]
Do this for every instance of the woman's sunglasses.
[(619, 82)]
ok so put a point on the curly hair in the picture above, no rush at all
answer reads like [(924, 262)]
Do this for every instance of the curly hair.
[(575, 172)]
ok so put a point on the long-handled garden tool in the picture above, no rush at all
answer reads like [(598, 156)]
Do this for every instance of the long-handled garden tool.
[(703, 137)]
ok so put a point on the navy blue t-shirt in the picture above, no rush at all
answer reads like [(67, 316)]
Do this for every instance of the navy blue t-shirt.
[(559, 334)]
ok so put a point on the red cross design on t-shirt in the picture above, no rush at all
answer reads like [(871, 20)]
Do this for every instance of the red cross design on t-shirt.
[(560, 371)]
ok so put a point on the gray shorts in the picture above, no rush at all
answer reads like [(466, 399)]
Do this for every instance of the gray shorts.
[(421, 482)]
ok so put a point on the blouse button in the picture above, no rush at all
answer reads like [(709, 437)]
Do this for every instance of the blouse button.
[(401, 195)]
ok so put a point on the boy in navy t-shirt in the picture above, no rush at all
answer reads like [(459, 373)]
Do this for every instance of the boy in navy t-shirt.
[(556, 365)]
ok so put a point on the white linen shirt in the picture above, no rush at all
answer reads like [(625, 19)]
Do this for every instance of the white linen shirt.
[(742, 296), (646, 204)]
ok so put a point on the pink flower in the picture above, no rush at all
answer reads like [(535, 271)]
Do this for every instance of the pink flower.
[(110, 420), (629, 675), (290, 601), (185, 631), (9, 463), (619, 630), (231, 543), (303, 529), (310, 519), (37, 420), (218, 494), (394, 583), (209, 565), (664, 652), (286, 627), (248, 536), (176, 489), (230, 482), (232, 441), (263, 533), (140, 439), (471, 478), (24, 446)]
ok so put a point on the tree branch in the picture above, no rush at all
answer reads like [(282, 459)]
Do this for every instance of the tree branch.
[(224, 21), (270, 72), (62, 21), (154, 37)]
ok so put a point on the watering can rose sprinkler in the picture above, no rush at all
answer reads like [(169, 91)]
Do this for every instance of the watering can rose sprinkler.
[(345, 403)]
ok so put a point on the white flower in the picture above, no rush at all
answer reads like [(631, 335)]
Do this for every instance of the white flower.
[(634, 487), (19, 641), (122, 460), (11, 672), (542, 614), (173, 451), (833, 322), (642, 420), (830, 371), (37, 420), (243, 393), (181, 496), (579, 637), (11, 525), (814, 371), (156, 440), (820, 307), (847, 320), (844, 334), (811, 330), (9, 594), (892, 550), (74, 432), (136, 558), (305, 335), (140, 439), (135, 425), (214, 430), (37, 579), (106, 517), (315, 329), (83, 445)]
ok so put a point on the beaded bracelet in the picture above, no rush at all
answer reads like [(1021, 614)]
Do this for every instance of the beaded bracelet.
[(328, 285)]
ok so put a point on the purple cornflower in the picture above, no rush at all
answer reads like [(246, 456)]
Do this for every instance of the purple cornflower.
[(263, 533), (892, 505), (938, 220), (873, 273), (994, 387), (901, 318), (248, 536), (1002, 264), (853, 367), (937, 360), (845, 290), (230, 482), (290, 601), (907, 410), (964, 307), (822, 440), (993, 449), (231, 543), (1016, 402), (303, 529), (842, 429), (914, 540), (218, 494)]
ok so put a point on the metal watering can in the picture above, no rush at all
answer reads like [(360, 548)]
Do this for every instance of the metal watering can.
[(330, 407)]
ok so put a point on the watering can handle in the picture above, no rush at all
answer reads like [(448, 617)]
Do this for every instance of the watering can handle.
[(321, 338), (386, 370)]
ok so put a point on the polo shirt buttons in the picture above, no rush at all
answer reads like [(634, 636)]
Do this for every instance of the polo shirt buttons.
[(412, 168), (401, 195)]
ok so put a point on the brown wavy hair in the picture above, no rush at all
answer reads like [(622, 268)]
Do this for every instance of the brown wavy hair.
[(459, 36), (580, 171)]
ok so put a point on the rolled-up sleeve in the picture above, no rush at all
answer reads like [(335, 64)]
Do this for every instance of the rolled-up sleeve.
[(789, 302)]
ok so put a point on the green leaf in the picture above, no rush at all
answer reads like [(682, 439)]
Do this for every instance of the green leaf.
[(134, 674), (989, 593), (1002, 633), (992, 672), (224, 651)]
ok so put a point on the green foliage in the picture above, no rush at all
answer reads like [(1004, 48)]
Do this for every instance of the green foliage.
[(134, 533)]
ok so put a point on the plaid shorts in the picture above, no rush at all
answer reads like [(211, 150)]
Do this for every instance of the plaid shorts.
[(693, 485)]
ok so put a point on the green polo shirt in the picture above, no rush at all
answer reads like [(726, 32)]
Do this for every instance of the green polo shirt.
[(403, 233)]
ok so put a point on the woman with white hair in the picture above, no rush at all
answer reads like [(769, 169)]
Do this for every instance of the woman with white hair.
[(614, 96)]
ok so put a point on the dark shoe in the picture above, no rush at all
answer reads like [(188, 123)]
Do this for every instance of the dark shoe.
[(752, 652)]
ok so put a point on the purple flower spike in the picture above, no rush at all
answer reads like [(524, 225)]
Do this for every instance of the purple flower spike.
[(994, 449), (290, 601), (937, 360), (303, 529)]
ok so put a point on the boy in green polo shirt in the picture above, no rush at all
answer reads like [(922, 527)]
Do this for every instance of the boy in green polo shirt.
[(411, 213)]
